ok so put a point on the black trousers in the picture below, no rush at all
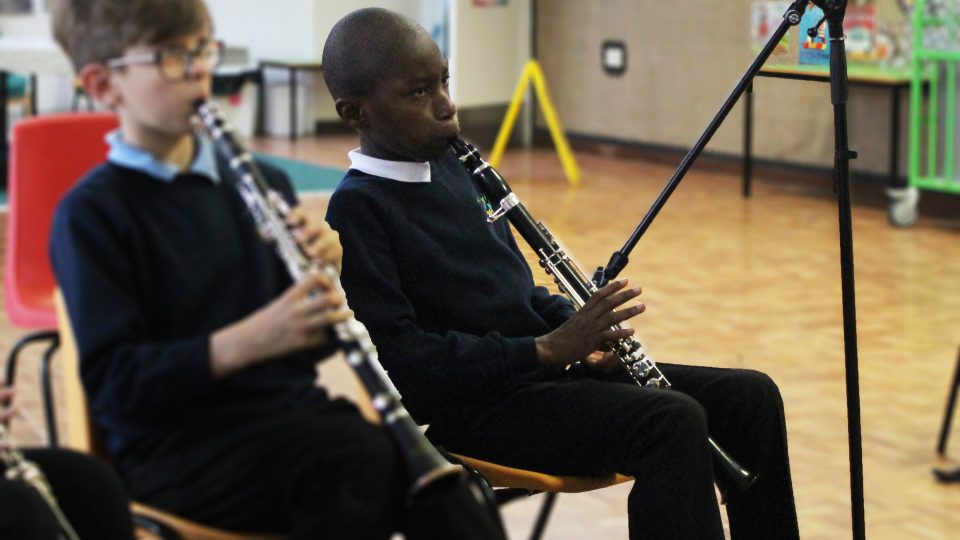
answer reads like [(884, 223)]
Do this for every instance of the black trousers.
[(584, 426), (323, 472), (88, 491)]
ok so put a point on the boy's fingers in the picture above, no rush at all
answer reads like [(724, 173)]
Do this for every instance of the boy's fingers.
[(324, 302), (307, 236), (340, 315), (296, 218), (302, 289), (617, 317), (601, 295), (321, 248), (317, 280), (616, 300), (326, 318), (606, 362), (615, 335)]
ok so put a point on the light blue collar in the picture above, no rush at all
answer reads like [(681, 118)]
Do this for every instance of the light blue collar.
[(127, 155)]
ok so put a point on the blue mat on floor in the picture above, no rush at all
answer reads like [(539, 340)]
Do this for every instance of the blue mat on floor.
[(306, 177)]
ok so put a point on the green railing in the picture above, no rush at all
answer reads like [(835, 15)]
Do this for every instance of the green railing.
[(933, 135)]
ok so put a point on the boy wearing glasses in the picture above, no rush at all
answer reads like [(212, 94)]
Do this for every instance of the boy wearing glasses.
[(197, 353)]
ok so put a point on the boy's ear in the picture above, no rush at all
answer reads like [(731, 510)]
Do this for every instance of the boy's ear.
[(97, 81), (351, 111)]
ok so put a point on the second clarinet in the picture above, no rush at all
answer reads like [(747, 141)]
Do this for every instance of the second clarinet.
[(426, 468), (731, 477)]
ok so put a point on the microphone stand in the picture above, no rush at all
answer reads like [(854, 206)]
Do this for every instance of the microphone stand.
[(834, 11)]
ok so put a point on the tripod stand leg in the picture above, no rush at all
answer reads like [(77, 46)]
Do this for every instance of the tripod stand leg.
[(948, 413)]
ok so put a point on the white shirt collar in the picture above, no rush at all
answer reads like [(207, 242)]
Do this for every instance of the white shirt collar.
[(401, 171)]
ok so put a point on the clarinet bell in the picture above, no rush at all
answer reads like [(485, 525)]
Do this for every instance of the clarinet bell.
[(731, 478)]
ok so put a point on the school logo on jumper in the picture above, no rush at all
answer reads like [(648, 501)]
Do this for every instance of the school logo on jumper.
[(485, 204)]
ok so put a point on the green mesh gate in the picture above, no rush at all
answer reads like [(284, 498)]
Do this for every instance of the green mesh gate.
[(934, 145)]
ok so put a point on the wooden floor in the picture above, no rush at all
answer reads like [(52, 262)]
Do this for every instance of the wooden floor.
[(754, 283)]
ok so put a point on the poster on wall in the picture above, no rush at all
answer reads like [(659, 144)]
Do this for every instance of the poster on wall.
[(860, 27), (16, 7), (489, 3), (433, 17), (765, 18), (813, 49)]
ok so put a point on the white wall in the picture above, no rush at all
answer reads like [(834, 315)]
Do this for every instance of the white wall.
[(34, 24), (55, 91), (330, 11), (291, 30), (327, 14), (282, 29), (489, 47)]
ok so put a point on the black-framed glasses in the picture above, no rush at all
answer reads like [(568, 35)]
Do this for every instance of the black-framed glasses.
[(174, 63)]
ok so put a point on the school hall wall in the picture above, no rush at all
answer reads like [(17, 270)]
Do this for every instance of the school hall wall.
[(488, 46), (684, 58)]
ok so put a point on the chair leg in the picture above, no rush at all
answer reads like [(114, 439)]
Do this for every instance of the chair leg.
[(477, 480), (47, 385), (948, 413), (33, 94), (13, 357), (545, 509), (32, 337)]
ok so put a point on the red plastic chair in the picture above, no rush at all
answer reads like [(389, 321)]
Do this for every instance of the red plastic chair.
[(48, 154)]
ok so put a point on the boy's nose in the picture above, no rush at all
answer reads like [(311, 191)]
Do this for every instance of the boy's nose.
[(200, 69), (445, 109)]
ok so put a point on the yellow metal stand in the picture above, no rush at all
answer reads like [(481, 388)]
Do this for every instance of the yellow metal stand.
[(532, 72)]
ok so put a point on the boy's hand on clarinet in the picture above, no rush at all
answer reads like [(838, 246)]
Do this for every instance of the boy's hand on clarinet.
[(602, 362), (590, 329), (298, 319), (319, 241)]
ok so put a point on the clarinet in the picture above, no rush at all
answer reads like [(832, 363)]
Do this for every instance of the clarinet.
[(19, 468), (732, 478), (426, 468)]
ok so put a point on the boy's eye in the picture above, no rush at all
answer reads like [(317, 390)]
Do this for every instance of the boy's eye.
[(419, 92)]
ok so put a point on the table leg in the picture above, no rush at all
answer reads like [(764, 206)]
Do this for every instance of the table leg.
[(33, 94), (4, 148), (895, 180), (293, 103), (748, 141), (260, 127)]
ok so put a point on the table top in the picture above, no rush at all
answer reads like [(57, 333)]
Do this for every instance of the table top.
[(24, 54), (857, 73), (293, 63)]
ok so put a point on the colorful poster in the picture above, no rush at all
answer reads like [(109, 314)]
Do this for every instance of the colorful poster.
[(860, 29), (489, 3), (765, 17), (813, 49), (434, 17)]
